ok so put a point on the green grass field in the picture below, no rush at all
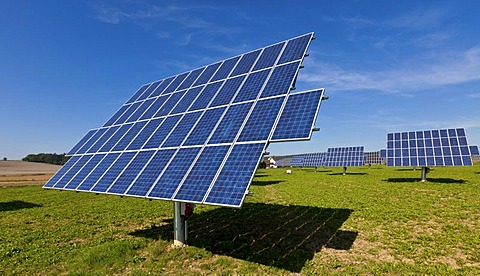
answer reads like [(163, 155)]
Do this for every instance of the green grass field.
[(370, 221)]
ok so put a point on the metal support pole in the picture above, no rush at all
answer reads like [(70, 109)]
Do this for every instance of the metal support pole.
[(179, 225), (424, 174), (344, 170)]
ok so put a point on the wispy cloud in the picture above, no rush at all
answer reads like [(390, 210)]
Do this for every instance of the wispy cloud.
[(420, 19), (453, 68), (165, 20)]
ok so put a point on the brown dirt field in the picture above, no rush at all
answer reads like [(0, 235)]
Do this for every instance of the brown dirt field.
[(20, 173)]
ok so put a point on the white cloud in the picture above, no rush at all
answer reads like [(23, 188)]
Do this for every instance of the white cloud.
[(449, 68)]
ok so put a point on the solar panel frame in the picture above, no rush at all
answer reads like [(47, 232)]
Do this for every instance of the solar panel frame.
[(344, 157)]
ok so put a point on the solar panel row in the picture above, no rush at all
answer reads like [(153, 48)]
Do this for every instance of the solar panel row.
[(444, 147), (344, 157), (198, 136), (374, 157)]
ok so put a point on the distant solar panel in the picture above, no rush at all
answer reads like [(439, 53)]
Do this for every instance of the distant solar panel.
[(297, 161), (198, 136), (439, 147), (344, 157), (314, 159), (374, 157)]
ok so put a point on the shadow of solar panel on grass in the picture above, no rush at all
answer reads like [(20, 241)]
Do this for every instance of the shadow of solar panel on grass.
[(431, 180), (16, 205), (281, 236), (347, 173), (266, 183)]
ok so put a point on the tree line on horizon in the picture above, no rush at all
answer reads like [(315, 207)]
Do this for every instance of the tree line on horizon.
[(49, 158)]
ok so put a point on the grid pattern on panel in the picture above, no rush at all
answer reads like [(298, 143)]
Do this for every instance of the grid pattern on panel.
[(297, 161), (313, 159), (344, 157), (298, 116), (234, 179), (374, 157), (438, 147), (195, 135)]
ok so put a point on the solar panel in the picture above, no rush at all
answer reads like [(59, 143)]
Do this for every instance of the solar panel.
[(298, 116), (313, 159), (374, 157), (297, 161), (438, 147), (198, 136), (344, 157)]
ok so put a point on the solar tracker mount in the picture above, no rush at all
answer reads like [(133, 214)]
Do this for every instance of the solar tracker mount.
[(197, 137)]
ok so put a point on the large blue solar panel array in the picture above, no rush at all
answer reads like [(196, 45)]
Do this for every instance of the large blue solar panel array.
[(344, 157), (197, 136), (438, 147)]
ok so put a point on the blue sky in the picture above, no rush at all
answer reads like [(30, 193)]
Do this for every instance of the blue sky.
[(67, 66)]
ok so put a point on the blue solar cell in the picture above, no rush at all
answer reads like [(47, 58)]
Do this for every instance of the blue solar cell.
[(298, 116), (227, 92), (131, 172), (157, 104), (117, 115), (262, 119), (162, 132), (138, 93), (246, 63), (122, 119), (115, 138), (474, 150), (172, 176), (177, 136), (252, 86), (234, 179), (63, 170), (97, 172), (201, 176), (152, 171), (62, 182), (173, 86), (191, 78), (162, 87), (106, 136), (295, 49), (112, 173), (143, 107), (224, 70), (91, 141), (204, 127), (230, 124), (129, 136), (207, 74), (169, 104), (281, 80), (145, 134), (82, 142), (206, 96), (187, 100), (83, 173), (149, 90), (269, 56)]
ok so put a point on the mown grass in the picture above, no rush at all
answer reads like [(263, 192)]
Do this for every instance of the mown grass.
[(370, 221)]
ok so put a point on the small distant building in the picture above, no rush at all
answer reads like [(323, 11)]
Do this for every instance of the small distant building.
[(271, 163)]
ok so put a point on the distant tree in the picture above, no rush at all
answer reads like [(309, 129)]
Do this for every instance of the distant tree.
[(262, 165), (4, 158), (50, 158)]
